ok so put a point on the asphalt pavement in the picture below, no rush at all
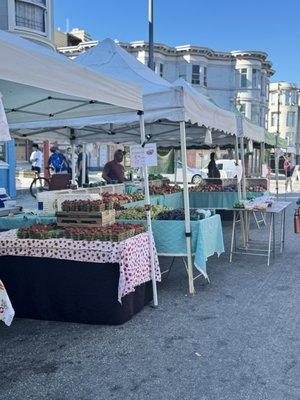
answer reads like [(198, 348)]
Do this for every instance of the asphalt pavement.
[(236, 339)]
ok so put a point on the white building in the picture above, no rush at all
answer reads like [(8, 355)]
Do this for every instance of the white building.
[(284, 114), (31, 19), (228, 78)]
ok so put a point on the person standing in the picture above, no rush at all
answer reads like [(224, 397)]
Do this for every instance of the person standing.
[(213, 171), (57, 161), (113, 171), (36, 159), (288, 174), (79, 165)]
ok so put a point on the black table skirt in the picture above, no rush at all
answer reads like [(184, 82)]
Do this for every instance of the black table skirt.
[(71, 291)]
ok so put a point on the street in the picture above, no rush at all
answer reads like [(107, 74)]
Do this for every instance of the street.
[(237, 338)]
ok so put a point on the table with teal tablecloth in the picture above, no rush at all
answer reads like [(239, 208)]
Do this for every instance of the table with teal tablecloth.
[(24, 221), (216, 199), (170, 240)]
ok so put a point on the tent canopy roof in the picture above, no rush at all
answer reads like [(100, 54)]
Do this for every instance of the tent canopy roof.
[(164, 103), (39, 84)]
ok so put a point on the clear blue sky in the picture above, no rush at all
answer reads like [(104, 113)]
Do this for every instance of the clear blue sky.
[(224, 25)]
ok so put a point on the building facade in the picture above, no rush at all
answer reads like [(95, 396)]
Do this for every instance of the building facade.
[(31, 19), (284, 115), (228, 78)]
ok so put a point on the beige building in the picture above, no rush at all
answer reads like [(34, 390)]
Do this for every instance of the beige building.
[(284, 102)]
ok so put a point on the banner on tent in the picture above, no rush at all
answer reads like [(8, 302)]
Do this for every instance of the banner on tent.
[(143, 156), (165, 162)]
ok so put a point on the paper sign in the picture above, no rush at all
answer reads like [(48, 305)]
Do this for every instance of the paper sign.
[(239, 173), (143, 156), (279, 151)]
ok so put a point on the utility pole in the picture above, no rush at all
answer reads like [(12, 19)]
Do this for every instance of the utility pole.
[(151, 39), (276, 158)]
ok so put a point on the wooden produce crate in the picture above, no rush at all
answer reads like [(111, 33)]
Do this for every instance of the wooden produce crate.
[(86, 219)]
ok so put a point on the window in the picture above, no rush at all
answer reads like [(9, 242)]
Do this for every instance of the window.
[(205, 76), (273, 98), (31, 14), (290, 118), (220, 167), (196, 74), (255, 114), (2, 151), (290, 138), (243, 109), (243, 73), (161, 69), (274, 118), (290, 97), (255, 77)]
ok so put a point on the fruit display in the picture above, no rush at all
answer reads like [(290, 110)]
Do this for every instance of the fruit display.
[(166, 188), (83, 205), (115, 232), (238, 204), (207, 187), (115, 201), (179, 215), (140, 212), (40, 231), (256, 188)]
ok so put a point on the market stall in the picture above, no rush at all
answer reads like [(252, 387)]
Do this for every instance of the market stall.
[(174, 115), (79, 278)]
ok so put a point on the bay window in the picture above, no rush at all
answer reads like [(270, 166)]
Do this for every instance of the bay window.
[(31, 14)]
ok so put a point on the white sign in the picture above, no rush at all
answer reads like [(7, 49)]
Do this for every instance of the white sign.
[(143, 156), (279, 151), (239, 172)]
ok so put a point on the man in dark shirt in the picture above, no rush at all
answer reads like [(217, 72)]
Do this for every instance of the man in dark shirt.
[(113, 170)]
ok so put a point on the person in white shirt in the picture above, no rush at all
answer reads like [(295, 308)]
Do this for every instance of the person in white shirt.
[(36, 159)]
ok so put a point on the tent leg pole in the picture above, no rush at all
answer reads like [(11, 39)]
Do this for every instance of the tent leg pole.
[(148, 203), (73, 165), (237, 161), (243, 166), (83, 164), (188, 232)]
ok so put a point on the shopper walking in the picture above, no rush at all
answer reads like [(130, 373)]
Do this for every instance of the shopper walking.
[(36, 159), (288, 174)]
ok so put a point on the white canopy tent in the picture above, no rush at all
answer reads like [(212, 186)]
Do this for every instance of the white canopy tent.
[(170, 109), (39, 84), (4, 129)]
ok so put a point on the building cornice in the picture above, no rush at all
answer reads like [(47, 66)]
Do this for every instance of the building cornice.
[(180, 51)]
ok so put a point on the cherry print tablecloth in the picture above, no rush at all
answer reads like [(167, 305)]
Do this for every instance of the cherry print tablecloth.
[(132, 255)]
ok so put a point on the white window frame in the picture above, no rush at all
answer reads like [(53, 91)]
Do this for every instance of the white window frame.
[(12, 18), (243, 74), (196, 81), (255, 106), (274, 118), (290, 123), (255, 84), (205, 76), (290, 138), (161, 70)]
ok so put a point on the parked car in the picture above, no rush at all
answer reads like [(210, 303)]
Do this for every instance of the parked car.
[(227, 169), (194, 174)]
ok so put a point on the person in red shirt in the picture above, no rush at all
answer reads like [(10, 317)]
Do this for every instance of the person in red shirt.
[(113, 171)]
